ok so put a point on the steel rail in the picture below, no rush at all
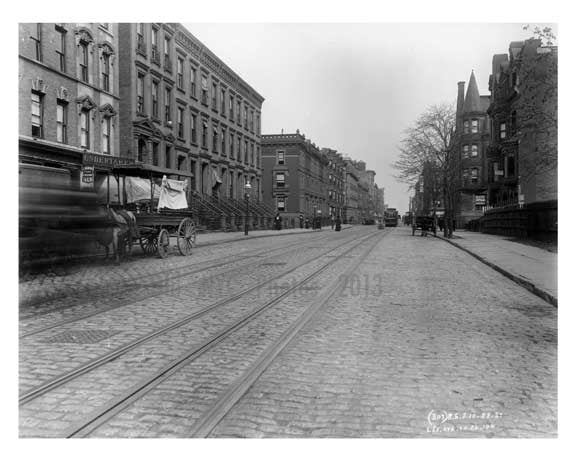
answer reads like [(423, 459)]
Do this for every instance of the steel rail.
[(98, 417), (119, 304), (121, 350)]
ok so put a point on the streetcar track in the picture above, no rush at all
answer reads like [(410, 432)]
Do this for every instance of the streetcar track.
[(116, 405), (56, 382), (89, 291), (116, 304)]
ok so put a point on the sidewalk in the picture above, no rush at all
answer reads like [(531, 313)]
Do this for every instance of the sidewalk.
[(534, 268), (213, 238)]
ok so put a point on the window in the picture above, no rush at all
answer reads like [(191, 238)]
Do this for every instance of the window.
[(510, 167), (83, 61), (85, 129), (204, 84), (252, 121), (106, 71), (61, 52), (231, 144), (474, 174), (167, 61), (180, 122), (214, 96), (513, 123), (246, 151), (192, 82), (193, 134), (280, 180), (465, 150), (140, 45), (223, 102), (474, 150), (281, 203), (155, 153), (257, 124), (231, 107), (140, 94), (239, 151), (167, 108), (251, 153), (155, 95), (238, 112), (466, 126), (204, 134), (214, 139), (181, 160), (168, 157), (245, 117), (37, 40), (37, 115), (474, 126), (62, 122), (502, 130), (180, 73), (223, 141), (155, 53), (141, 150), (280, 157), (106, 131)]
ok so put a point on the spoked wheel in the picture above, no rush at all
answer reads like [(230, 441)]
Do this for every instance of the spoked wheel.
[(186, 236), (149, 244), (163, 243)]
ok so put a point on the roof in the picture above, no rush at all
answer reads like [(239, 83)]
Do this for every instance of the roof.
[(472, 102)]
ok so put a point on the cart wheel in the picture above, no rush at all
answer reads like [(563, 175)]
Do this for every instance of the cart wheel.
[(186, 237), (149, 244), (163, 243)]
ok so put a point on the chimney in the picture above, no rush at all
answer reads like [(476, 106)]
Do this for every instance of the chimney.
[(459, 104)]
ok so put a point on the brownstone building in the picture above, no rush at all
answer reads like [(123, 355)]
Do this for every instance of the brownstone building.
[(69, 97), (185, 112)]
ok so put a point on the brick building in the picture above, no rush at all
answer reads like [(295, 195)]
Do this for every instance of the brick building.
[(524, 114), (335, 182), (472, 138), (186, 112), (293, 179), (69, 97)]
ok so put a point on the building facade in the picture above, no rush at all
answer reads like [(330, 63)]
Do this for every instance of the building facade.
[(69, 97), (524, 115), (293, 176), (335, 182), (187, 113), (472, 139)]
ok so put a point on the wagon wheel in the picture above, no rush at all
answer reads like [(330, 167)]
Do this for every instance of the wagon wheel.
[(186, 236), (149, 244), (163, 243)]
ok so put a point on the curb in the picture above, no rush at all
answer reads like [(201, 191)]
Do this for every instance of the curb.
[(520, 281), (244, 237)]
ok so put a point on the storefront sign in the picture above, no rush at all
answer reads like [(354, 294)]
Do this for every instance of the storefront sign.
[(87, 177), (104, 161)]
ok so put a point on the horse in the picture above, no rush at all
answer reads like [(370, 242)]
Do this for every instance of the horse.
[(117, 233)]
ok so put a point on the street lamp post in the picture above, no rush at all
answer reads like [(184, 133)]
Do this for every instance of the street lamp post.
[(247, 188)]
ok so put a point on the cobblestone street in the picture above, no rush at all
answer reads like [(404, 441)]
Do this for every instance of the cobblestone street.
[(361, 333)]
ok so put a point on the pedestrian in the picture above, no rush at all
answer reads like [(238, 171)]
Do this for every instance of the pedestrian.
[(338, 224), (301, 218), (278, 221), (332, 222)]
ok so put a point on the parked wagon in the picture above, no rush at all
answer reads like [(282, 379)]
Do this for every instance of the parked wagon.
[(423, 223), (164, 215)]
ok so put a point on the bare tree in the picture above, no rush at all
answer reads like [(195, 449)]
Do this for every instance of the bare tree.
[(429, 141)]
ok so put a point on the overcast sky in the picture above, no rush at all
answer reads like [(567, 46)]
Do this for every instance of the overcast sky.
[(356, 87)]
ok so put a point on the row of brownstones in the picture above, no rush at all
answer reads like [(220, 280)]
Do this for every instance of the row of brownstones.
[(97, 96), (506, 145)]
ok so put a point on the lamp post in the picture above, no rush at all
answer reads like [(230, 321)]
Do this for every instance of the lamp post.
[(247, 188)]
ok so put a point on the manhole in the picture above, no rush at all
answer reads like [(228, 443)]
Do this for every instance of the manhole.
[(80, 336)]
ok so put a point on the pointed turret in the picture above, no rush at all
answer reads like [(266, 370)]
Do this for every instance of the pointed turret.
[(472, 101)]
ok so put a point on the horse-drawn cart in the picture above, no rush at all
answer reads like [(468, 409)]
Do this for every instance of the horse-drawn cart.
[(424, 223), (160, 216)]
